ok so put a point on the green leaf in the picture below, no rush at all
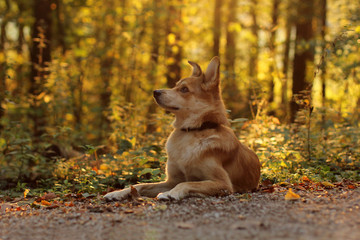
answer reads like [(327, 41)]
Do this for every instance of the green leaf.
[(145, 171), (2, 144)]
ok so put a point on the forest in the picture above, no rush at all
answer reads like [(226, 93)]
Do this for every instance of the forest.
[(77, 77)]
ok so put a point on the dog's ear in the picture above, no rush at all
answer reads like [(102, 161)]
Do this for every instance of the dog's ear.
[(197, 72), (212, 78)]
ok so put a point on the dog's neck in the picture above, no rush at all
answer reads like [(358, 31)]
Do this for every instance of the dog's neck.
[(204, 126), (207, 121)]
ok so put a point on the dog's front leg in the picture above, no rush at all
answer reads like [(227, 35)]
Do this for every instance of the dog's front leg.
[(144, 189), (174, 176), (216, 181)]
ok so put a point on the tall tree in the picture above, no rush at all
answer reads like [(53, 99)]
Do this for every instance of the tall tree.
[(286, 56), (106, 55), (60, 33), (19, 49), (231, 90), (3, 64), (152, 75), (40, 59), (323, 64), (173, 50), (254, 54), (275, 13), (217, 27), (303, 54)]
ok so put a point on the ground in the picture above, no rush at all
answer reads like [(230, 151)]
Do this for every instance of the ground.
[(318, 214)]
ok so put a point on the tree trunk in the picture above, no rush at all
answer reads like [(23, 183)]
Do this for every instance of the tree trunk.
[(19, 49), (253, 61), (275, 13), (152, 76), (231, 90), (284, 98), (217, 27), (77, 97), (106, 64), (40, 59), (173, 48), (3, 63), (60, 25), (323, 64), (303, 54)]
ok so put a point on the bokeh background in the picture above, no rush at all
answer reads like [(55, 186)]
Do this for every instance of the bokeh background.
[(76, 82)]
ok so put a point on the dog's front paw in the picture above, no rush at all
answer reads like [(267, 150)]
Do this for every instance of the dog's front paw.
[(117, 195), (169, 195)]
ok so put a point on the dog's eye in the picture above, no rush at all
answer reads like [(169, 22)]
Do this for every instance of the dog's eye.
[(184, 90)]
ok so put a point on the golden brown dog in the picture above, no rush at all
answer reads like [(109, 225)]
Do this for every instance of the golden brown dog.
[(204, 155)]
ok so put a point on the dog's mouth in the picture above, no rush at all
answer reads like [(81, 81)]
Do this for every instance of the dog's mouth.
[(170, 108)]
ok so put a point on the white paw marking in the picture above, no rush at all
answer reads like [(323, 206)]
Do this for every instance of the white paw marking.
[(117, 195), (169, 195)]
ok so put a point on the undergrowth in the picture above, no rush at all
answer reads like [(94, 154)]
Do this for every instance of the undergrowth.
[(320, 150)]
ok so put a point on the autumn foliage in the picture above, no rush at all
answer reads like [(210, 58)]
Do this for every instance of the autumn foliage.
[(76, 81)]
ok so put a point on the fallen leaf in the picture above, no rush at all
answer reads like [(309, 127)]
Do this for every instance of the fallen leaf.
[(327, 185), (351, 187), (290, 195), (284, 184), (52, 206), (45, 203), (71, 204), (305, 179), (26, 192), (300, 188)]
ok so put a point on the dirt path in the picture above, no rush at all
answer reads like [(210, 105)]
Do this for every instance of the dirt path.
[(328, 214)]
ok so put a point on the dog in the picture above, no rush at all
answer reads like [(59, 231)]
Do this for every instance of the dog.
[(205, 158)]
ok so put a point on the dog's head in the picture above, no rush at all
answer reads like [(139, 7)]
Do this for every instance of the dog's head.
[(195, 99)]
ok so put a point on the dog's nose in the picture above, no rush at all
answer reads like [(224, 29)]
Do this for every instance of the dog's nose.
[(157, 93)]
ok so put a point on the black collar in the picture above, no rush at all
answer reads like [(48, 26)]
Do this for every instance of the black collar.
[(204, 126)]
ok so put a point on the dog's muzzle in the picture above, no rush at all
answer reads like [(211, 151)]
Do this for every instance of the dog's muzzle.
[(157, 95)]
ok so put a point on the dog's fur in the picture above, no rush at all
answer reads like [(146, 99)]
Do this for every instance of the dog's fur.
[(204, 155)]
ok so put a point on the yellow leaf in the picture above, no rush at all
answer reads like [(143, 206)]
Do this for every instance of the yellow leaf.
[(284, 184), (357, 29), (171, 38), (327, 184), (133, 141), (234, 27), (104, 166), (290, 195), (26, 192)]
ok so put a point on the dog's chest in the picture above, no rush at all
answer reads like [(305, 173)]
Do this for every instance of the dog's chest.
[(184, 148)]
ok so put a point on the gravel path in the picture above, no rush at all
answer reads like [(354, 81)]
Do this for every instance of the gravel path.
[(328, 214)]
